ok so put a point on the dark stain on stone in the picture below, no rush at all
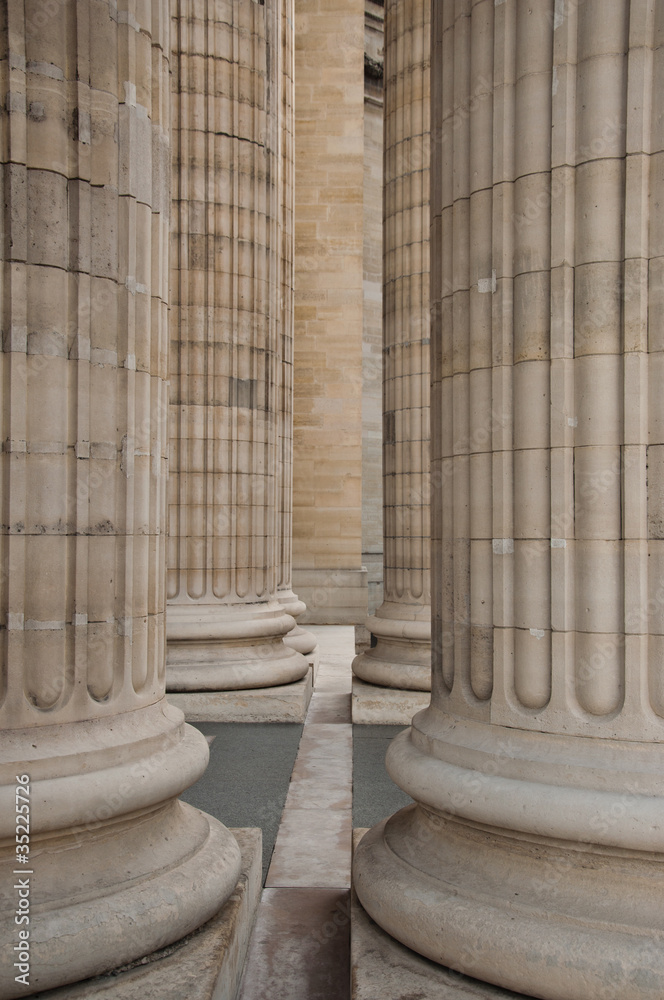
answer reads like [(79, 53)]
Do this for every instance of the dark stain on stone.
[(243, 392), (36, 112), (104, 528)]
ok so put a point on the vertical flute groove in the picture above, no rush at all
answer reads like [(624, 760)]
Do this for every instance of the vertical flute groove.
[(598, 345), (531, 406)]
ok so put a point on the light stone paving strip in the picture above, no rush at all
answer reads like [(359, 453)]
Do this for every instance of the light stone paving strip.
[(300, 946), (313, 846)]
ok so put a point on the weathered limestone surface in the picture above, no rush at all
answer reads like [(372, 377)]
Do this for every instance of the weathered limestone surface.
[(384, 706), (401, 657), (118, 865), (282, 703), (382, 967), (231, 353), (205, 965), (533, 858), (329, 166)]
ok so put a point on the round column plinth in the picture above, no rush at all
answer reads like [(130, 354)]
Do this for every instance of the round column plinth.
[(119, 868), (228, 649), (298, 638), (506, 874), (401, 657)]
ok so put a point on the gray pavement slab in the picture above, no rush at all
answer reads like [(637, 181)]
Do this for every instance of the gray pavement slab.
[(247, 779), (375, 795)]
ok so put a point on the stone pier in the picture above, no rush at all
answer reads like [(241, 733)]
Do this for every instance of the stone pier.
[(401, 657), (230, 391), (117, 866), (533, 857)]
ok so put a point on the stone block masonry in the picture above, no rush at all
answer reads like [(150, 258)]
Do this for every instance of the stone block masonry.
[(329, 237), (401, 657), (231, 351), (120, 867), (534, 856)]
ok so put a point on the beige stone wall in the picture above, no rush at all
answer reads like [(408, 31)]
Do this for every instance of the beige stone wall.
[(329, 236), (372, 341)]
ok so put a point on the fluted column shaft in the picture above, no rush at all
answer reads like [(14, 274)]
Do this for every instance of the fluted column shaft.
[(534, 857), (298, 638), (225, 626), (117, 865), (402, 625)]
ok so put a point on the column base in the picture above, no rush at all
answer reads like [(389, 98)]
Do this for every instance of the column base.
[(551, 890), (285, 703), (382, 706), (230, 648), (206, 965), (119, 867), (301, 640), (383, 967), (401, 657), (298, 638)]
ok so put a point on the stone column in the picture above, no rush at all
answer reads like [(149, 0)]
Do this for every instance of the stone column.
[(372, 305), (298, 638), (534, 857), (401, 657), (225, 625), (117, 865)]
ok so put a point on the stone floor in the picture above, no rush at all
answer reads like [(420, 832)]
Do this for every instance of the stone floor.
[(306, 787)]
